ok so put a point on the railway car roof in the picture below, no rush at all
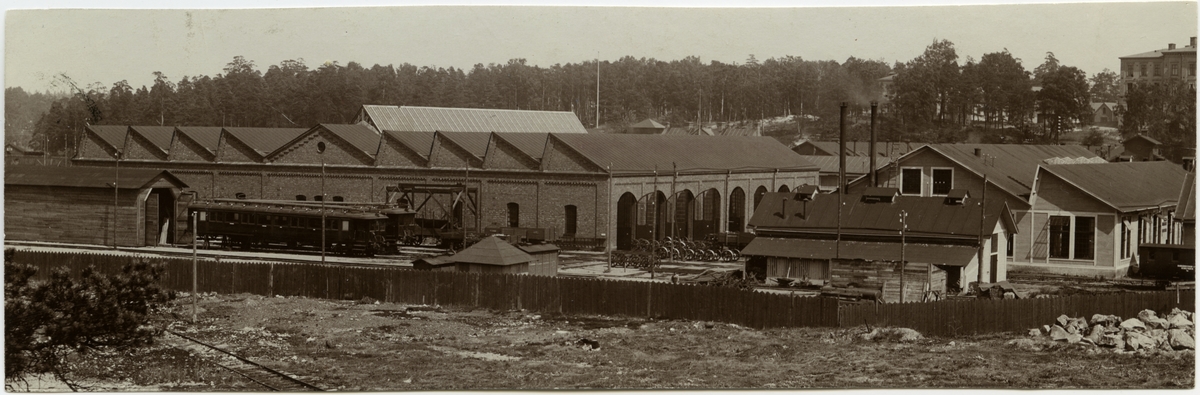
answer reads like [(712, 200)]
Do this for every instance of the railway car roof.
[(331, 212)]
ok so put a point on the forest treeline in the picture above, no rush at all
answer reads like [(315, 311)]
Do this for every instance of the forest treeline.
[(935, 97)]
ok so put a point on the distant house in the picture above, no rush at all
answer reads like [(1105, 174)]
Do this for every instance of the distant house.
[(1185, 210), (15, 154), (1090, 218), (647, 126), (492, 255), (1104, 114), (800, 236), (1137, 148)]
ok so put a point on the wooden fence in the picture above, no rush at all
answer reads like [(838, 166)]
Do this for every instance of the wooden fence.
[(572, 296)]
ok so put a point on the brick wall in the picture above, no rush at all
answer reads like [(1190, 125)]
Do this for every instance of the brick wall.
[(71, 215), (137, 147), (94, 147), (337, 152), (184, 149), (393, 153), (352, 188), (502, 155), (230, 150), (229, 183), (446, 154), (560, 157)]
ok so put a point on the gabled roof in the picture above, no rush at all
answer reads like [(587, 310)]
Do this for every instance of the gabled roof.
[(492, 251), (475, 143), (265, 140), (114, 135), (927, 216), (160, 136), (1143, 55), (648, 124), (430, 119), (863, 148), (645, 152), (854, 164), (207, 136), (1126, 186), (532, 144), (1185, 209), (1011, 167), (1140, 136), (86, 177)]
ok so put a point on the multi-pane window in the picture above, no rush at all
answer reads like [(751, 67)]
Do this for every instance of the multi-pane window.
[(570, 219), (514, 215), (910, 181), (1174, 69), (1124, 240), (1060, 237), (943, 181), (1156, 72), (1009, 247), (1085, 237)]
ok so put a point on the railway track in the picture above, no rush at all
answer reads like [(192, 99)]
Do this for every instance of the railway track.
[(271, 379)]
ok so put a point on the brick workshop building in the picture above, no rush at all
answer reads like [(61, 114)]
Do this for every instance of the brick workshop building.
[(569, 184), (76, 205)]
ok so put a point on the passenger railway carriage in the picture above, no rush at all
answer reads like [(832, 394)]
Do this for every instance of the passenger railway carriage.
[(351, 230)]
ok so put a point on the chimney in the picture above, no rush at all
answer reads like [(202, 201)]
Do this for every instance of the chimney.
[(1193, 42), (979, 152), (1171, 46)]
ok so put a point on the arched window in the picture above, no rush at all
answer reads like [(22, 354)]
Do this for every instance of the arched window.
[(402, 202), (301, 198), (514, 215), (783, 188), (338, 199), (318, 198), (758, 195), (737, 206), (569, 217), (239, 195)]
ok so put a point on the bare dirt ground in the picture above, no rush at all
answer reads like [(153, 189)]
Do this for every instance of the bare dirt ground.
[(363, 346)]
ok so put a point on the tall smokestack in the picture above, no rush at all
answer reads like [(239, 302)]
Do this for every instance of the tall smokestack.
[(874, 109), (842, 149)]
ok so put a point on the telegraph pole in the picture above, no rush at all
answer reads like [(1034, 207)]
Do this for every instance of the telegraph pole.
[(321, 153), (903, 264), (195, 286)]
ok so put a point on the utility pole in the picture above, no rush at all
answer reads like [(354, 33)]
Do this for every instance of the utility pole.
[(903, 263), (116, 197), (195, 267), (597, 89), (321, 153)]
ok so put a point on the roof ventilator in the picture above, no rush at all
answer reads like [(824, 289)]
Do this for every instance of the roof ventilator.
[(879, 195), (957, 197)]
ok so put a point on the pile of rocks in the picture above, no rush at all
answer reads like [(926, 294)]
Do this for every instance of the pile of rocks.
[(1147, 331)]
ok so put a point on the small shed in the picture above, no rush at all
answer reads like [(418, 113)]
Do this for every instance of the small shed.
[(545, 258), (490, 255), (647, 126), (76, 205)]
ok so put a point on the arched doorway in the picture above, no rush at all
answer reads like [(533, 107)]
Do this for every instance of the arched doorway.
[(758, 195), (681, 221), (737, 210), (627, 211), (783, 188), (651, 216), (707, 219)]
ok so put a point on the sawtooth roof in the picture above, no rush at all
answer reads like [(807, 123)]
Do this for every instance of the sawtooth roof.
[(646, 152), (86, 177), (421, 142), (361, 137), (114, 135), (430, 119), (265, 140), (207, 136), (160, 136), (854, 164), (1126, 186), (492, 251), (927, 216)]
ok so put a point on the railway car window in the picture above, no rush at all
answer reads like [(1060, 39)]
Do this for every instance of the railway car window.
[(240, 195), (203, 215), (264, 219), (345, 225), (338, 199), (237, 217), (301, 198)]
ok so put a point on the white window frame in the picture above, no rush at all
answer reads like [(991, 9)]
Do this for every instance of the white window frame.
[(921, 180), (933, 181), (1074, 229)]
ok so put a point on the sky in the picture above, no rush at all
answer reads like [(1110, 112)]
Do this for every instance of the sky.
[(109, 45)]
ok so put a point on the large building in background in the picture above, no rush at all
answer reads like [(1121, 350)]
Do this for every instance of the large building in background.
[(614, 188), (1160, 65)]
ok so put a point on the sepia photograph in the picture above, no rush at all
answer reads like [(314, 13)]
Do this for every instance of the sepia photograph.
[(575, 195)]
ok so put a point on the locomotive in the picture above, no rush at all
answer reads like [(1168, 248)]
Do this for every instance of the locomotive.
[(350, 229)]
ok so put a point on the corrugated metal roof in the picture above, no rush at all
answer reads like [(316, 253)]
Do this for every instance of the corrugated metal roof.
[(1009, 166), (85, 177), (114, 135), (1185, 209), (361, 137), (926, 215), (265, 140), (207, 136), (492, 251), (430, 119), (938, 254), (1125, 185), (421, 142), (643, 152), (160, 136), (854, 164)]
